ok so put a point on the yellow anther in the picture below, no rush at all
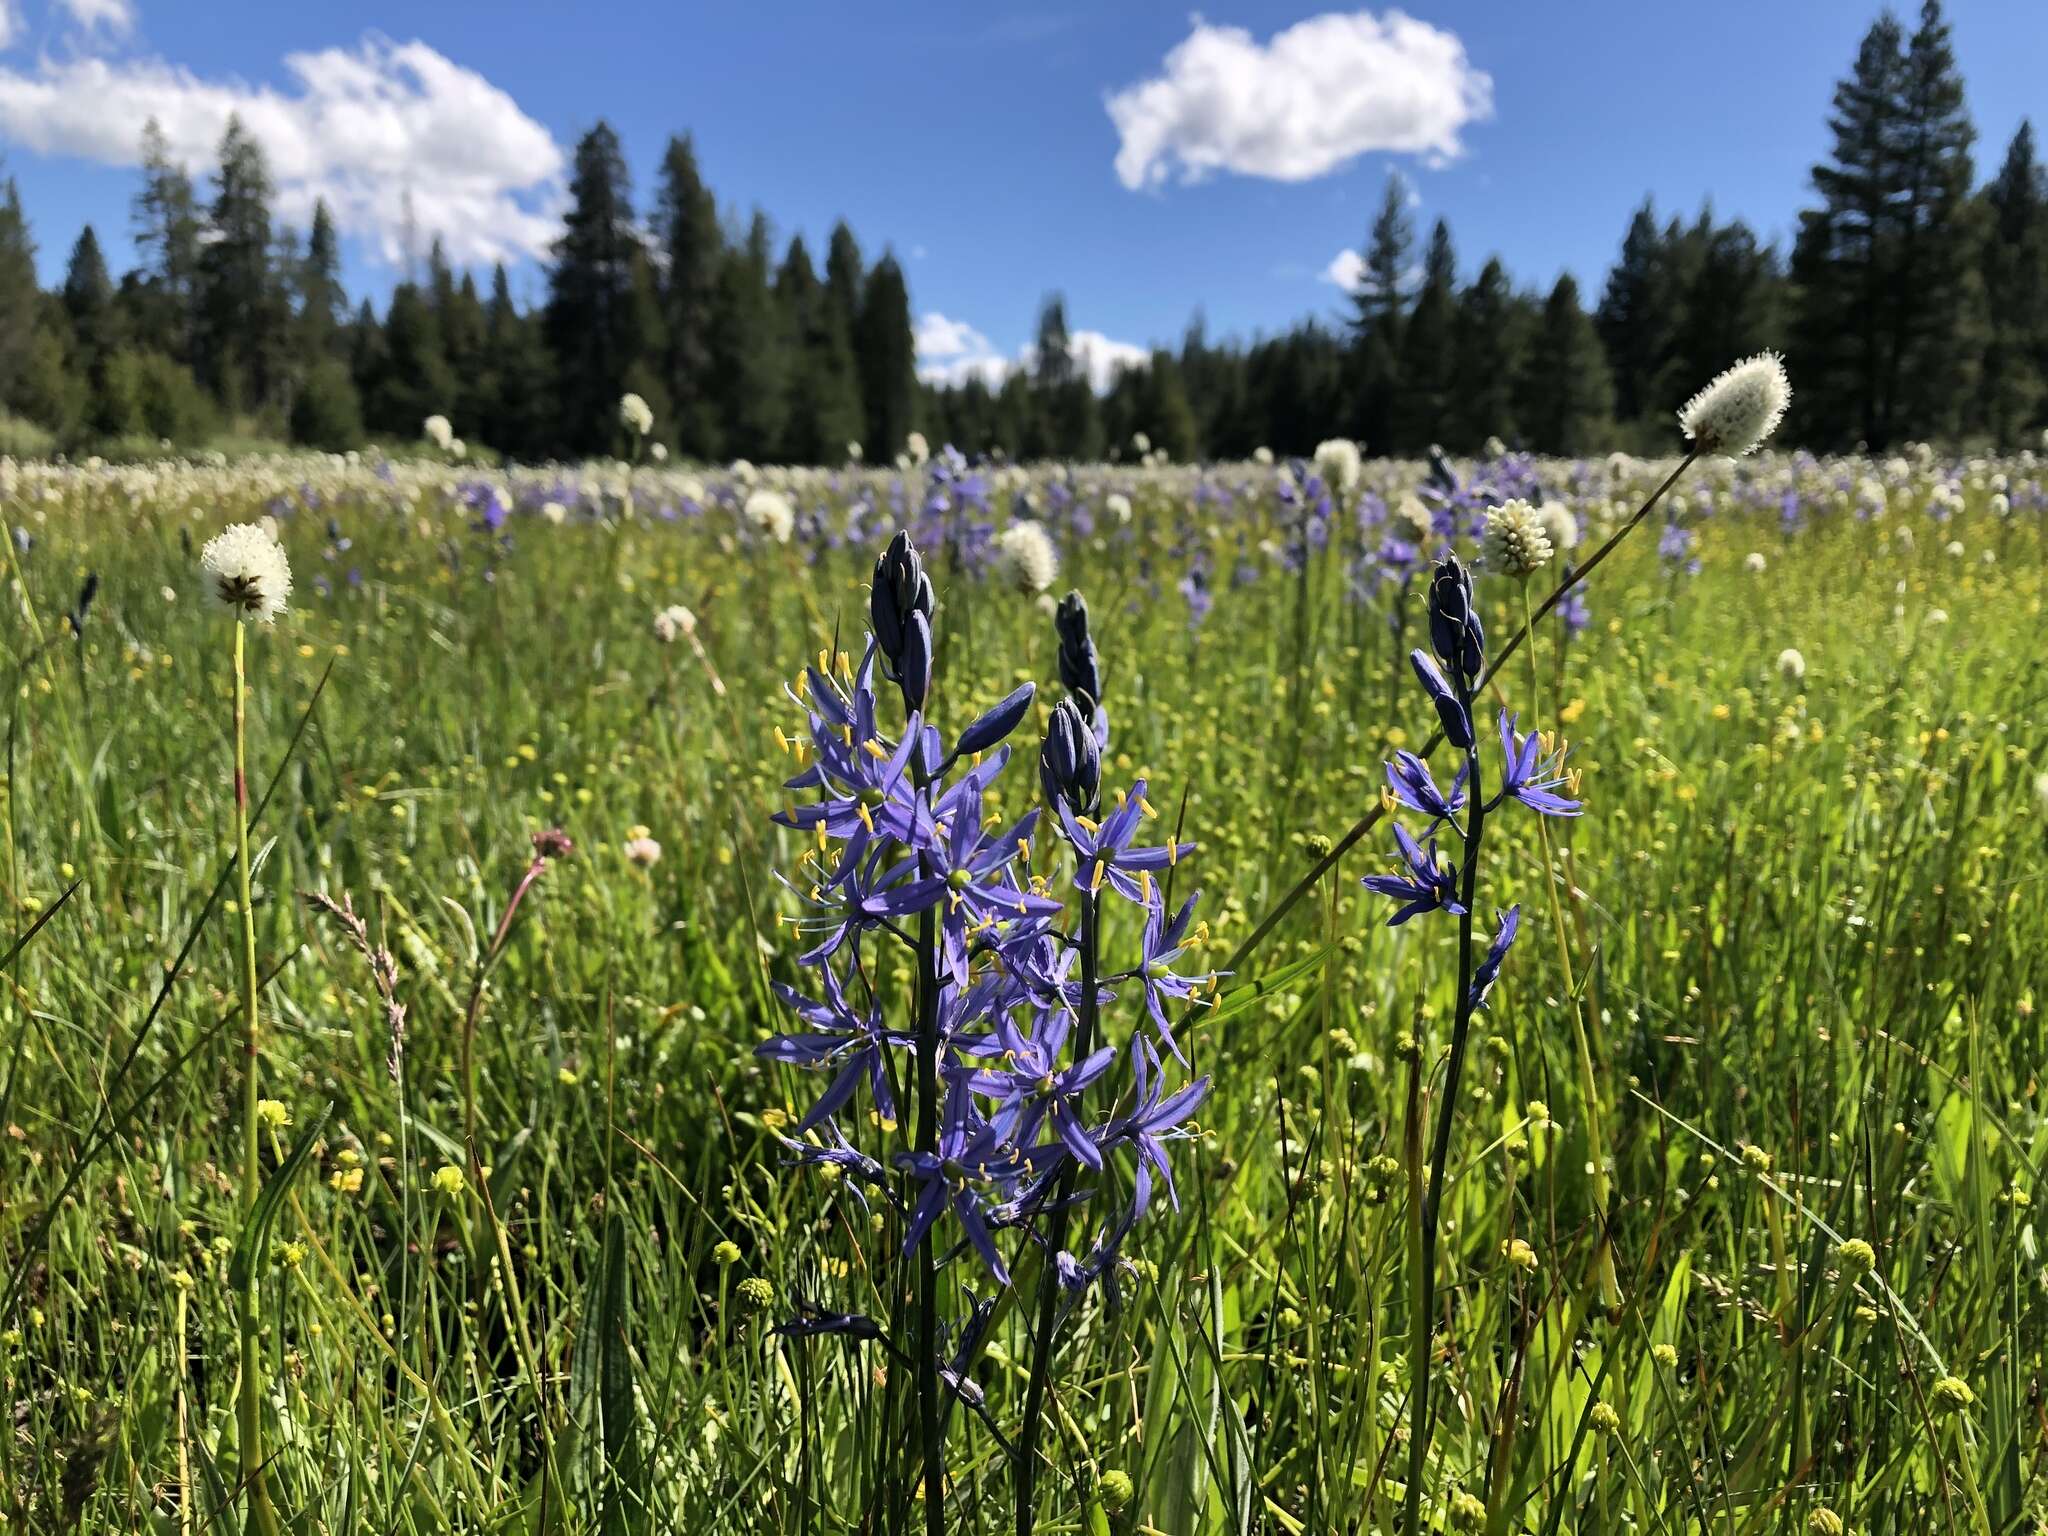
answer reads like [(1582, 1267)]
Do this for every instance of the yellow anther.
[(1095, 880), (1146, 806), (1145, 885), (1172, 854), (876, 750)]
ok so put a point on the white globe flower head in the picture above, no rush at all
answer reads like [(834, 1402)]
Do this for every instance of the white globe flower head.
[(1937, 615), (1559, 526), (1791, 664), (1027, 557), (1118, 505), (1141, 443), (770, 514), (659, 453), (1740, 408), (457, 448), (1495, 448), (742, 472), (1754, 563), (1514, 541), (917, 450), (1412, 520), (674, 622), (636, 415), (554, 512), (1955, 549), (853, 453), (246, 570), (1339, 462), (1262, 456), (436, 430), (643, 851)]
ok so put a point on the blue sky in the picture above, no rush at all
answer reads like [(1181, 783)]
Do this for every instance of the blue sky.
[(1251, 148)]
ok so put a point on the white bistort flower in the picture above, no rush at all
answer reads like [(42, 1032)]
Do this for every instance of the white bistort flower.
[(1339, 462), (1029, 561), (1412, 520), (1754, 563), (636, 415), (1262, 456), (246, 569), (1559, 526), (1792, 664), (1118, 505), (916, 449), (436, 430), (1514, 541), (673, 621), (1741, 408), (771, 514)]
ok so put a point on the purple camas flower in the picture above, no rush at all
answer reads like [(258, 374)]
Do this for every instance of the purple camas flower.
[(1426, 885), (1529, 777), (900, 848)]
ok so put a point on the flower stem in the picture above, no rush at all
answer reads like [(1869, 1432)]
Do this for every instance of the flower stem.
[(930, 1424), (1440, 1150), (1049, 1272), (249, 1400), (1589, 1083)]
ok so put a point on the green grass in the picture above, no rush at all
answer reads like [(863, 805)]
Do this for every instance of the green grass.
[(1806, 915)]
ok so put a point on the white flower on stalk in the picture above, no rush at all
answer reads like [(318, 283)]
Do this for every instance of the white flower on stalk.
[(853, 453), (1262, 456), (1514, 541), (246, 569), (1559, 526), (916, 449), (436, 430), (1412, 520), (1141, 443), (1754, 563), (1339, 462), (641, 849), (1791, 664), (673, 621), (770, 513), (1955, 549), (1495, 448), (457, 448), (1118, 506), (554, 512), (1937, 615), (636, 415), (659, 453), (1740, 408), (1029, 561)]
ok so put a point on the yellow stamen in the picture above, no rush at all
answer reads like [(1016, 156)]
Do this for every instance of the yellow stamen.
[(1095, 881)]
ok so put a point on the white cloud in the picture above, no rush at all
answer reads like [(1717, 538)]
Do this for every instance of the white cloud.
[(1346, 270), (10, 24), (116, 17), (370, 129), (1301, 105), (952, 352)]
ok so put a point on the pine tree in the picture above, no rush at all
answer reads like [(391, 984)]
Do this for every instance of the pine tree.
[(888, 359), (166, 228), (414, 380), (824, 409), (88, 296), (1066, 423), (845, 285), (241, 340), (322, 303), (1889, 309), (693, 253), (518, 376), (1378, 309), (1427, 361), (591, 301), (748, 355), (2015, 280), (1639, 316), (1566, 400), (1730, 307), (1488, 362)]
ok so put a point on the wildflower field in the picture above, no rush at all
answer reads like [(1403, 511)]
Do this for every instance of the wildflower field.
[(624, 1140)]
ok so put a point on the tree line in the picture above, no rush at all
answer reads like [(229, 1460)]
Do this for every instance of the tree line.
[(1913, 304)]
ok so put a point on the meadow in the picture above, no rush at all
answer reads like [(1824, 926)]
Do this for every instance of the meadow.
[(1736, 1226)]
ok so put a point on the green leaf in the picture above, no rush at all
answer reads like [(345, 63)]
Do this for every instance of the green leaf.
[(1242, 996)]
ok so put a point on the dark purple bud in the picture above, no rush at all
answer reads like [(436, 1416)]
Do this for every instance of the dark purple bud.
[(900, 588), (1070, 763), (1454, 630), (1080, 670), (996, 724), (914, 664), (552, 843), (1457, 724)]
